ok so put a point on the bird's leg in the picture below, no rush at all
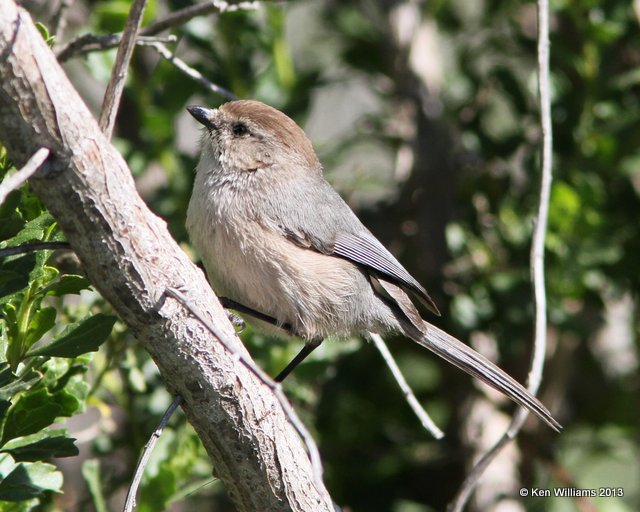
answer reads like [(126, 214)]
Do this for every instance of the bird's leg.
[(309, 347), (241, 308)]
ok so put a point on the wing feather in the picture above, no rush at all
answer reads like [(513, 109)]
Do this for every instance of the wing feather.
[(366, 250)]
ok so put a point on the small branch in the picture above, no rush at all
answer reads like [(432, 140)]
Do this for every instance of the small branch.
[(88, 43), (540, 231), (183, 15), (149, 40), (191, 72), (537, 263), (36, 246), (119, 74), (419, 411), (59, 20), (130, 503), (16, 180), (292, 417)]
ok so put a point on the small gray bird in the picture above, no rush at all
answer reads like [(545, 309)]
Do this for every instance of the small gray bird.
[(282, 247)]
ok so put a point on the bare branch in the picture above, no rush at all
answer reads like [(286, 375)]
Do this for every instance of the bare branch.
[(130, 502), (312, 449), (59, 20), (36, 246), (419, 411), (191, 72), (183, 15), (131, 258), (540, 232), (537, 263), (15, 181), (90, 42), (115, 86)]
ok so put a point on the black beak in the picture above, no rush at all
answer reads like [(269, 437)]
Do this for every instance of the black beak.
[(203, 115)]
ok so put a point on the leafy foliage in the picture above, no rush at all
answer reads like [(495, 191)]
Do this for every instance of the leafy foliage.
[(40, 381)]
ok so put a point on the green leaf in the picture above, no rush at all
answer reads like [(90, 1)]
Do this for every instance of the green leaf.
[(69, 401), (66, 285), (46, 35), (4, 406), (33, 230), (10, 384), (158, 490), (32, 412), (91, 474), (42, 445), (6, 375), (14, 275), (20, 506), (9, 313), (29, 480), (43, 320), (564, 207), (78, 338), (11, 222), (42, 275), (54, 370)]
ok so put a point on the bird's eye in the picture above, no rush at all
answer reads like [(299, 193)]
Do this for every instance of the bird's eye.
[(240, 129)]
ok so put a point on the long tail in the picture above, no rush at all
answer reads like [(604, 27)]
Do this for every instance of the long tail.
[(457, 353)]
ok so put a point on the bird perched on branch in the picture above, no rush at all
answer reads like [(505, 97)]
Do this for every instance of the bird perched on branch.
[(283, 248)]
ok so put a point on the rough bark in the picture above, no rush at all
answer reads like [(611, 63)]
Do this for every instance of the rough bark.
[(131, 259)]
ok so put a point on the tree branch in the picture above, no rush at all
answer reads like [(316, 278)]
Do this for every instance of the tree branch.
[(128, 254), (422, 415), (537, 264), (35, 246), (115, 86), (192, 73), (88, 43), (15, 181), (130, 502)]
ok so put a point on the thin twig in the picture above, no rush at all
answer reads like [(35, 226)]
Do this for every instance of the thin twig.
[(419, 411), (537, 263), (14, 181), (149, 40), (59, 19), (130, 503), (119, 73), (94, 43), (183, 15), (88, 43), (292, 417), (36, 246), (191, 72)]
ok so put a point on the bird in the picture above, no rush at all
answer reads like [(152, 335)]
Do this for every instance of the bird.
[(283, 249)]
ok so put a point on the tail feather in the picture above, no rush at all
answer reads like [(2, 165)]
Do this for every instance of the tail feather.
[(470, 361)]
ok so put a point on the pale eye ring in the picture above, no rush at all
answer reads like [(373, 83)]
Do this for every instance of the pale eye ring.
[(239, 129)]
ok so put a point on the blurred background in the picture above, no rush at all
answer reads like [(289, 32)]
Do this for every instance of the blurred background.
[(424, 115)]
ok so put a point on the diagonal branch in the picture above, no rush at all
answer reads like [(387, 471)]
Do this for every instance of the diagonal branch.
[(15, 181), (422, 415), (130, 257), (312, 449), (115, 86), (130, 502), (192, 73), (537, 263)]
